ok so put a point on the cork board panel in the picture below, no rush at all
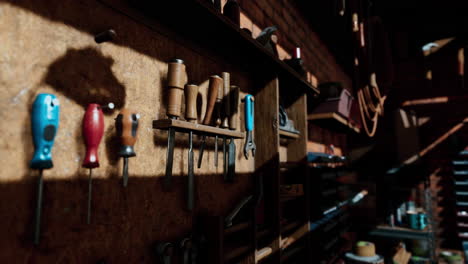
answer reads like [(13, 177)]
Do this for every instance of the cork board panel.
[(49, 47)]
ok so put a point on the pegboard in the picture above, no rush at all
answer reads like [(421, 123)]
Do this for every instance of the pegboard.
[(49, 47)]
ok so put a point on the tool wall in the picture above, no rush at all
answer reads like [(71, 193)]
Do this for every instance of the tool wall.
[(50, 47), (136, 56)]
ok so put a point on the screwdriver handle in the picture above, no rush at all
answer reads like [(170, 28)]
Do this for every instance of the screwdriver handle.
[(226, 88), (126, 124), (234, 96), (44, 124), (176, 82), (191, 92), (213, 88), (249, 104), (93, 129)]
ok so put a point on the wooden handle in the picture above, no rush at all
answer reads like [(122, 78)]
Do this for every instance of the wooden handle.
[(226, 87), (191, 92), (176, 81), (126, 124), (215, 82), (219, 102), (234, 115)]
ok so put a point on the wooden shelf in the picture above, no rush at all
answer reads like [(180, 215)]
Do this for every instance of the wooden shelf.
[(290, 226), (196, 24), (291, 252), (236, 228), (184, 126), (288, 135), (400, 232), (333, 120), (235, 252)]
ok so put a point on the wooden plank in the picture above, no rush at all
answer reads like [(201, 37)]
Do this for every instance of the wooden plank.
[(286, 134), (335, 119), (234, 253), (267, 158), (297, 153), (213, 226), (198, 23), (184, 126), (236, 228)]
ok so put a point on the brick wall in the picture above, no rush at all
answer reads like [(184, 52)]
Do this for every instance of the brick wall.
[(293, 31)]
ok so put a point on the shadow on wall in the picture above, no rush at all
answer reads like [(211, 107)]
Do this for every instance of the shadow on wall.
[(85, 76), (125, 221)]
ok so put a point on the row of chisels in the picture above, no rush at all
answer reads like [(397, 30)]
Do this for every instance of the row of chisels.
[(221, 111)]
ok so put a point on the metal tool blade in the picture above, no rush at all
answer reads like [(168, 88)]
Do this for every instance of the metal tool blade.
[(169, 158), (231, 161), (224, 159), (37, 228), (190, 183), (125, 172), (202, 149), (216, 152), (90, 190)]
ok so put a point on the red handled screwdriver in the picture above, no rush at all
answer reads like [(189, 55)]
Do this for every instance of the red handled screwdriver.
[(93, 129)]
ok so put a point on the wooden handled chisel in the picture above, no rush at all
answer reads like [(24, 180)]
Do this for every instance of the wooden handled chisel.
[(225, 117), (215, 82), (191, 92), (176, 82)]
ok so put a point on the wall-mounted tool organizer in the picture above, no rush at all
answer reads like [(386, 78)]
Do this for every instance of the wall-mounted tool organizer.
[(185, 127), (275, 233)]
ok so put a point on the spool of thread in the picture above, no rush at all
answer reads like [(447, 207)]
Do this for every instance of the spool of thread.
[(365, 249)]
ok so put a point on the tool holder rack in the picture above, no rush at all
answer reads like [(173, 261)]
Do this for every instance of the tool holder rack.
[(185, 127)]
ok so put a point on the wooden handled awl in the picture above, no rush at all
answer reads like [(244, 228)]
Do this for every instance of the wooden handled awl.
[(191, 92), (218, 118), (215, 82), (126, 124), (176, 82), (225, 117)]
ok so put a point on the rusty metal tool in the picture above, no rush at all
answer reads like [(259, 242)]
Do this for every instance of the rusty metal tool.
[(225, 117), (44, 123), (215, 82), (249, 125), (176, 82), (186, 247), (218, 105), (233, 117), (165, 250), (191, 92), (93, 129), (126, 124)]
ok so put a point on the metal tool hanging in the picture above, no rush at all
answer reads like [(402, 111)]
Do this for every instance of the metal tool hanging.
[(176, 82), (93, 130), (44, 124), (249, 112), (126, 124), (191, 92)]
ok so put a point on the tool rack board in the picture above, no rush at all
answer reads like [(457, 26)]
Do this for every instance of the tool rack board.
[(49, 47)]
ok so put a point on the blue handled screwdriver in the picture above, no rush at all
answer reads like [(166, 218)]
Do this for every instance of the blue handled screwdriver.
[(44, 124)]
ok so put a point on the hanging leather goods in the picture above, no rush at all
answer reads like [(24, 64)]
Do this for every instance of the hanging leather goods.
[(375, 52)]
